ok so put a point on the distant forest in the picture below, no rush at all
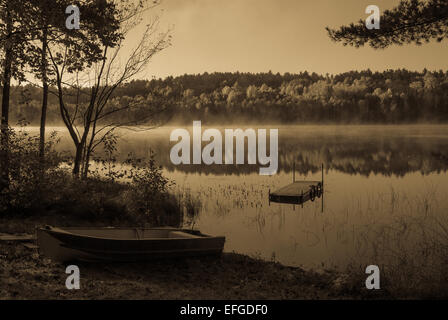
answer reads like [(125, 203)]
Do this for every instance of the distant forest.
[(393, 96)]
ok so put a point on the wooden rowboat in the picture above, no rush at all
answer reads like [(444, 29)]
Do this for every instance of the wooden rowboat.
[(124, 244)]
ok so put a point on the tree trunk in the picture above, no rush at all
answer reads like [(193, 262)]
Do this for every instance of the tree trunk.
[(86, 163), (4, 157), (43, 117), (78, 159), (4, 152)]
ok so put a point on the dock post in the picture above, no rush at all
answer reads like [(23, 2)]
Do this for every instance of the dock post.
[(293, 172), (322, 176), (301, 199), (322, 188)]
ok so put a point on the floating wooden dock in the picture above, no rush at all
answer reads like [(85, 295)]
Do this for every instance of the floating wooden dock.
[(299, 192)]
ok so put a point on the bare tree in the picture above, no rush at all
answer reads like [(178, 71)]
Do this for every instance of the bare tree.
[(93, 115), (100, 25)]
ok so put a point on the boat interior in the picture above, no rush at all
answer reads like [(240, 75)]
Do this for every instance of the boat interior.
[(130, 233)]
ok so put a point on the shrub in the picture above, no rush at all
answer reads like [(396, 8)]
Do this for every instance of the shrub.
[(148, 192), (133, 192), (29, 177)]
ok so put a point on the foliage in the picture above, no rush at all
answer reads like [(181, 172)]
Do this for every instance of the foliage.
[(30, 178), (148, 193), (14, 49), (412, 21)]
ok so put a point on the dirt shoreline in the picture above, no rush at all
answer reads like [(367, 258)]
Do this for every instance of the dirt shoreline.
[(26, 275)]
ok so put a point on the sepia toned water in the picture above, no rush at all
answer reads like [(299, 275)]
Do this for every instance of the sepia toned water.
[(375, 178)]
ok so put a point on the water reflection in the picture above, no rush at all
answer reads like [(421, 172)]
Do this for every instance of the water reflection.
[(353, 150)]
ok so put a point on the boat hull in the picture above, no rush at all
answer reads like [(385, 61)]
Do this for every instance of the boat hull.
[(66, 245)]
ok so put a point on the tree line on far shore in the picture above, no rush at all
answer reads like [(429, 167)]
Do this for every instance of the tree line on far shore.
[(393, 96)]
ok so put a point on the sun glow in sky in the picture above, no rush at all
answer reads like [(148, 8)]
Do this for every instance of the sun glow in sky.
[(277, 35)]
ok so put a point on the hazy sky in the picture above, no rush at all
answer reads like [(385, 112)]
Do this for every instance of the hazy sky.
[(278, 35)]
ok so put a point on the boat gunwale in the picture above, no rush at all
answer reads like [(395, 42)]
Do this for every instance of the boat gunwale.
[(201, 236)]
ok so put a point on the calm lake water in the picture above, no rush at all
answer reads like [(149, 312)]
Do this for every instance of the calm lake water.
[(376, 177)]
